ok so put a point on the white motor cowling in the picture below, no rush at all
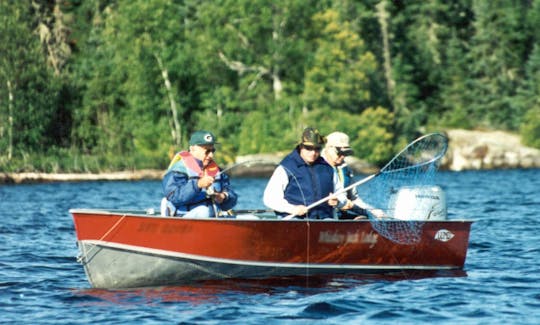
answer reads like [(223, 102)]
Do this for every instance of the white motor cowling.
[(427, 202)]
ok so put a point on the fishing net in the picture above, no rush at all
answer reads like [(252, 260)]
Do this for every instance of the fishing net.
[(406, 191)]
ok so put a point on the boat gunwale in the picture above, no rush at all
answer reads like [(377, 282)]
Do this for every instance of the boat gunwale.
[(268, 218)]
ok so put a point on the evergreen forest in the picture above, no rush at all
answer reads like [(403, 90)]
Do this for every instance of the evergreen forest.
[(107, 85)]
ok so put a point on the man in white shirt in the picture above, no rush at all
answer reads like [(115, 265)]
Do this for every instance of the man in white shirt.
[(303, 178)]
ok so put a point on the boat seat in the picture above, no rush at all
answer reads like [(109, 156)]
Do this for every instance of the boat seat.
[(247, 216)]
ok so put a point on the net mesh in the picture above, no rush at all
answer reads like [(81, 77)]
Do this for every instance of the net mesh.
[(415, 168)]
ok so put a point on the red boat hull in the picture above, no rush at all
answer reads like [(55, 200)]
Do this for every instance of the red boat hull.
[(121, 249)]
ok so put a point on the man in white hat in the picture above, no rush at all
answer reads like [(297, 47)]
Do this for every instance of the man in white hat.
[(336, 149)]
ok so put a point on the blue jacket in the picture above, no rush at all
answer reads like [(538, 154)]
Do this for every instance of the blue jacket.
[(309, 183), (180, 185)]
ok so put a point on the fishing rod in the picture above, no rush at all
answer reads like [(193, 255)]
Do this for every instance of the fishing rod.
[(210, 191), (248, 163)]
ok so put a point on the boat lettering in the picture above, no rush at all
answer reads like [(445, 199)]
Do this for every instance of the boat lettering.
[(147, 227), (171, 229), (330, 237), (335, 237), (444, 235), (370, 238), (352, 238)]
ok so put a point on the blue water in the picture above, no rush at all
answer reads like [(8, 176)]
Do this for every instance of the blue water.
[(41, 281)]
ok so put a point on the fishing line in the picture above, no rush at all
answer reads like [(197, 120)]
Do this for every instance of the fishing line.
[(308, 225), (289, 173)]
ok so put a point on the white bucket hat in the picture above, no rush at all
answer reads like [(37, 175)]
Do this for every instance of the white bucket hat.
[(340, 141)]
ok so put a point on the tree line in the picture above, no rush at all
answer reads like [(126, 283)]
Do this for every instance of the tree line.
[(100, 85)]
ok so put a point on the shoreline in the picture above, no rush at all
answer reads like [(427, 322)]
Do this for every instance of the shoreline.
[(138, 175), (468, 150), (39, 177), (132, 175)]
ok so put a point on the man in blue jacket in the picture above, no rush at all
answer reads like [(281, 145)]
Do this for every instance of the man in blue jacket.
[(303, 178), (193, 185)]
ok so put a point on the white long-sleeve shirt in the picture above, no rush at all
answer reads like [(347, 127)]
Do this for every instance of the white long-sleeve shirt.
[(274, 193)]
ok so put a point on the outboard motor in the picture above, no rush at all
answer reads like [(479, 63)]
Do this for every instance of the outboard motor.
[(426, 202)]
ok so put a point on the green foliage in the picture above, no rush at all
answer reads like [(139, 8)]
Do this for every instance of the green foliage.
[(65, 160), (530, 99), (339, 121), (494, 63), (140, 76), (530, 128), (374, 139), (455, 101), (370, 132), (339, 75), (29, 91), (263, 132)]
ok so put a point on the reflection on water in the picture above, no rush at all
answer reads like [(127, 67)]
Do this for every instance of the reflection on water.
[(214, 290)]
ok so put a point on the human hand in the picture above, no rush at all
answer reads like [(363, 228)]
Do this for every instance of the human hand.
[(378, 213), (333, 201), (205, 181), (300, 210), (349, 205), (219, 197), (360, 218)]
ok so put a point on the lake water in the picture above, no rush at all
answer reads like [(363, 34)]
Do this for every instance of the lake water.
[(41, 281)]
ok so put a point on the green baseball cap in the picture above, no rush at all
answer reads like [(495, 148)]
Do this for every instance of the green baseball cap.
[(202, 137)]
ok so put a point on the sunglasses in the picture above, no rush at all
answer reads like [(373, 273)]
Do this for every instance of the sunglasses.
[(311, 148), (343, 152), (208, 151)]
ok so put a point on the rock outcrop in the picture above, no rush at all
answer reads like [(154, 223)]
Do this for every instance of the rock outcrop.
[(474, 150)]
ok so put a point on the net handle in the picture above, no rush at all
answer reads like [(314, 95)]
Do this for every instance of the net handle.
[(386, 169), (324, 199)]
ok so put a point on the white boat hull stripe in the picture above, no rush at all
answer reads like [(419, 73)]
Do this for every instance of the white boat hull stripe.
[(154, 251)]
